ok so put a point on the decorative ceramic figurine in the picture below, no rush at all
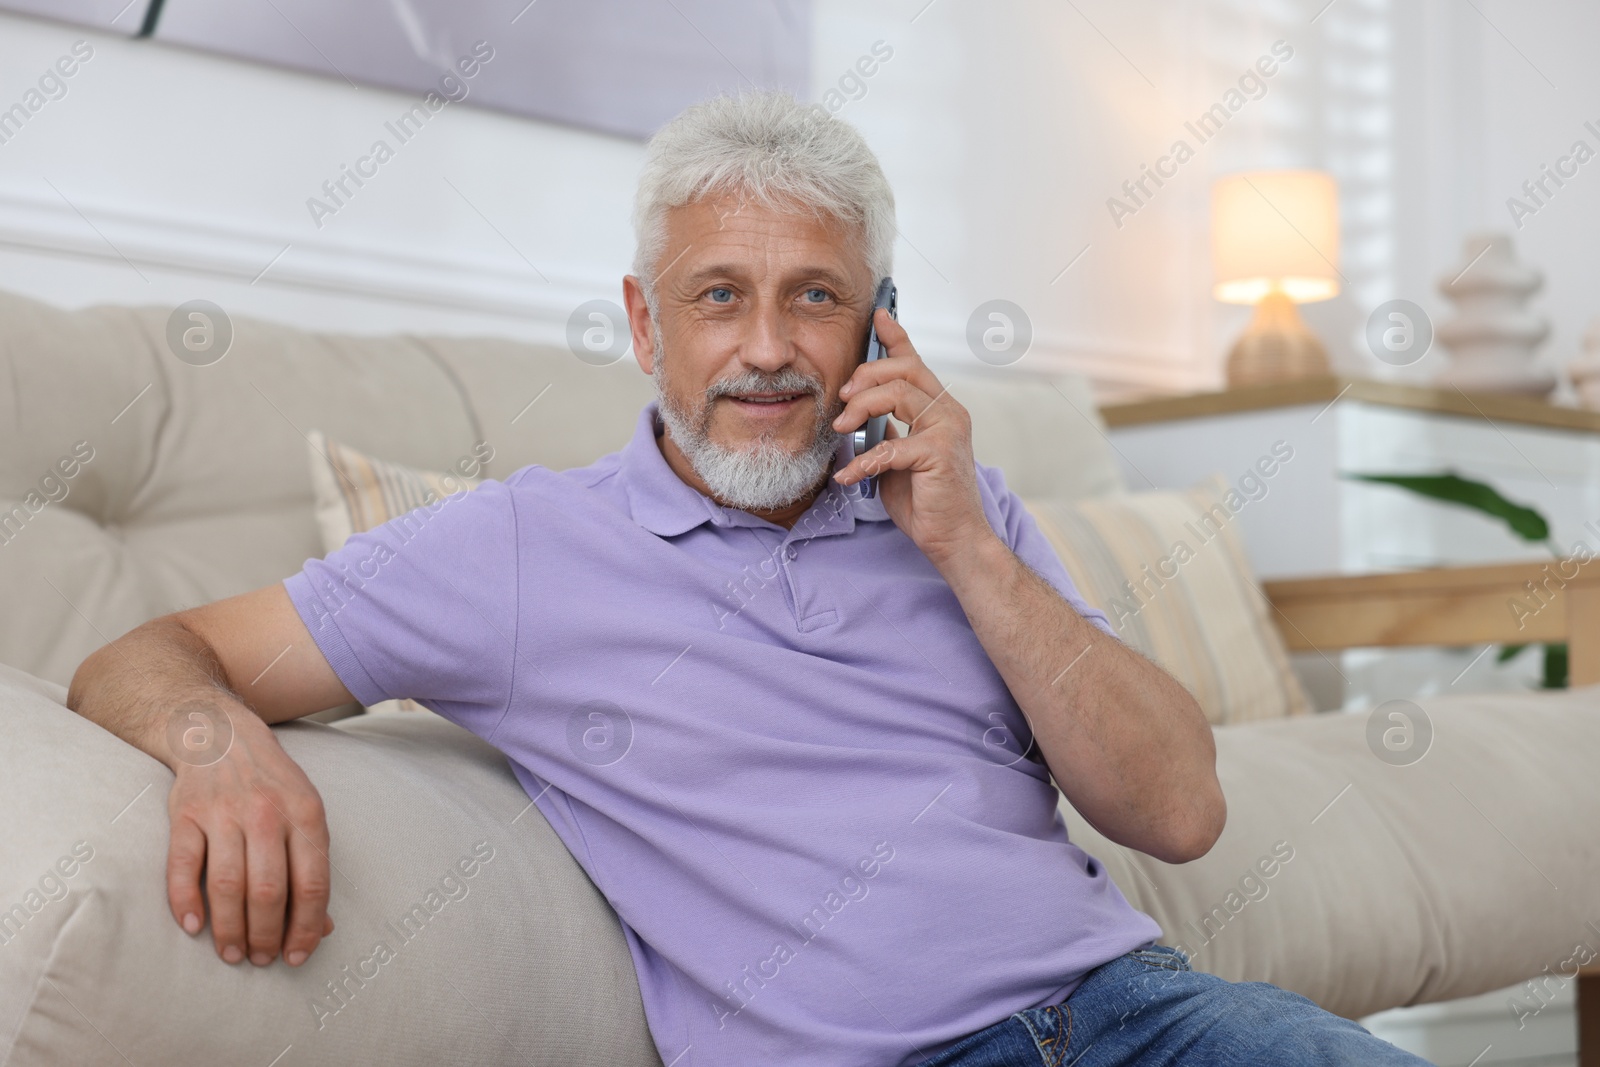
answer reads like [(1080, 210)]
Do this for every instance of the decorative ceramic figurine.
[(1585, 370), (1492, 338)]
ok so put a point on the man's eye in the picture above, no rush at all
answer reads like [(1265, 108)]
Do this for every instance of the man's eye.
[(720, 295), (817, 296)]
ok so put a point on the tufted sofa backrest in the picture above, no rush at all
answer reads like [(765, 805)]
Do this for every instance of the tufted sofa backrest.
[(134, 483)]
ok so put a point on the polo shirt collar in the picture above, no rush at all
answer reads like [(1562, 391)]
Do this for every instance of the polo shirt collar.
[(667, 506)]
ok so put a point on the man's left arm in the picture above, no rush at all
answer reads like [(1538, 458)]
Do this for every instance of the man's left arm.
[(1127, 744), (1125, 741)]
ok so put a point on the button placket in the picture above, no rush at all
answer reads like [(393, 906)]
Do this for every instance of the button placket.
[(791, 552), (772, 557)]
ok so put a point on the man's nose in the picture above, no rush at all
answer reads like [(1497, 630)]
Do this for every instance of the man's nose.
[(766, 344)]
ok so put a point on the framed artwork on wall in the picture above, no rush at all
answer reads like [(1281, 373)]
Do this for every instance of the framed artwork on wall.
[(623, 67)]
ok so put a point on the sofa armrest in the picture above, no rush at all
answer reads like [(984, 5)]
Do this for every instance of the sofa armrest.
[(1512, 603), (521, 960)]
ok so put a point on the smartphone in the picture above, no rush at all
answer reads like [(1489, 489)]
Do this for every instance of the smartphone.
[(871, 434)]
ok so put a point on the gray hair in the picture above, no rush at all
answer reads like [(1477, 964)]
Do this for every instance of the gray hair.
[(778, 152)]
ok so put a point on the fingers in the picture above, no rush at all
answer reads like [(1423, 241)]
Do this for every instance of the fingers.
[(897, 397), (225, 889), (251, 880), (892, 334), (186, 857), (309, 885), (267, 883), (898, 453), (250, 843), (903, 361)]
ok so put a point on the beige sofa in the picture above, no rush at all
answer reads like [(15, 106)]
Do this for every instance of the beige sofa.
[(1473, 869)]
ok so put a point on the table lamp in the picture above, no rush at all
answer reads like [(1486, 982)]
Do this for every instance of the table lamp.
[(1275, 244)]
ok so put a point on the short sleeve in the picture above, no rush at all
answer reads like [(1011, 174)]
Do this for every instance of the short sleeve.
[(1031, 546), (423, 606)]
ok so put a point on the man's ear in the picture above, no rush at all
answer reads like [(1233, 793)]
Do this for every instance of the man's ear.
[(639, 324)]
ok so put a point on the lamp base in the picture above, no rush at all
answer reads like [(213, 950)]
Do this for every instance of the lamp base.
[(1277, 346)]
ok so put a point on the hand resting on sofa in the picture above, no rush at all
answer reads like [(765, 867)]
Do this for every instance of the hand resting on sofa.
[(198, 691)]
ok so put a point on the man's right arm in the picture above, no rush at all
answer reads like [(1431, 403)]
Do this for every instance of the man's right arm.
[(197, 690)]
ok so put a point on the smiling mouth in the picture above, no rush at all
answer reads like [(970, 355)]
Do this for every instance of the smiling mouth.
[(766, 401)]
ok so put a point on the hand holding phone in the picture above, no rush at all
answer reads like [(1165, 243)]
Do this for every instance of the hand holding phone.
[(872, 433)]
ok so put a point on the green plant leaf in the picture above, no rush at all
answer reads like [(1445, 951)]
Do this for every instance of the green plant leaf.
[(1555, 666), (1554, 663), (1451, 488)]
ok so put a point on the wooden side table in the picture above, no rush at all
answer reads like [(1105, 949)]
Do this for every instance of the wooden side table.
[(1313, 520), (1441, 606), (1589, 1016)]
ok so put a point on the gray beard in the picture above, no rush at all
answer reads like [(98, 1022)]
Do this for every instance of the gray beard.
[(762, 476)]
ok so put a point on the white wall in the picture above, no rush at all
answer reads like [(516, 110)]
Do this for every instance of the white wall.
[(197, 169), (1007, 125), (1486, 93), (1004, 127), (1036, 113)]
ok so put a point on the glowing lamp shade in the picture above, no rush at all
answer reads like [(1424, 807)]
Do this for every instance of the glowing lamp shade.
[(1275, 231), (1275, 244)]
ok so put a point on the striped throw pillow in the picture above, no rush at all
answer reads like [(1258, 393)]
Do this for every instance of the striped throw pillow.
[(1168, 570), (355, 492)]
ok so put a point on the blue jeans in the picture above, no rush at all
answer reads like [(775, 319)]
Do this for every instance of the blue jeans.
[(1149, 1008)]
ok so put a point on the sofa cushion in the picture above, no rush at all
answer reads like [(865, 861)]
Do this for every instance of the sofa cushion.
[(522, 962), (198, 486), (1170, 573), (1046, 434), (1468, 870), (355, 492)]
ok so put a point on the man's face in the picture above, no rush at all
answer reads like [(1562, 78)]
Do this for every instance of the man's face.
[(762, 317)]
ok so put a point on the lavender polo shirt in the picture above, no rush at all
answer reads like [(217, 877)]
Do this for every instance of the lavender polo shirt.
[(782, 755)]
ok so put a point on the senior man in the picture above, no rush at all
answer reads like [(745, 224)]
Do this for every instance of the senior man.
[(818, 852)]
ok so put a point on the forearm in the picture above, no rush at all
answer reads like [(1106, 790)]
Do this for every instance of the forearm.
[(135, 686), (174, 688), (1125, 741)]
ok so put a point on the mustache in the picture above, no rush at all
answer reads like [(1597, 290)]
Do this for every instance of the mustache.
[(787, 381)]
